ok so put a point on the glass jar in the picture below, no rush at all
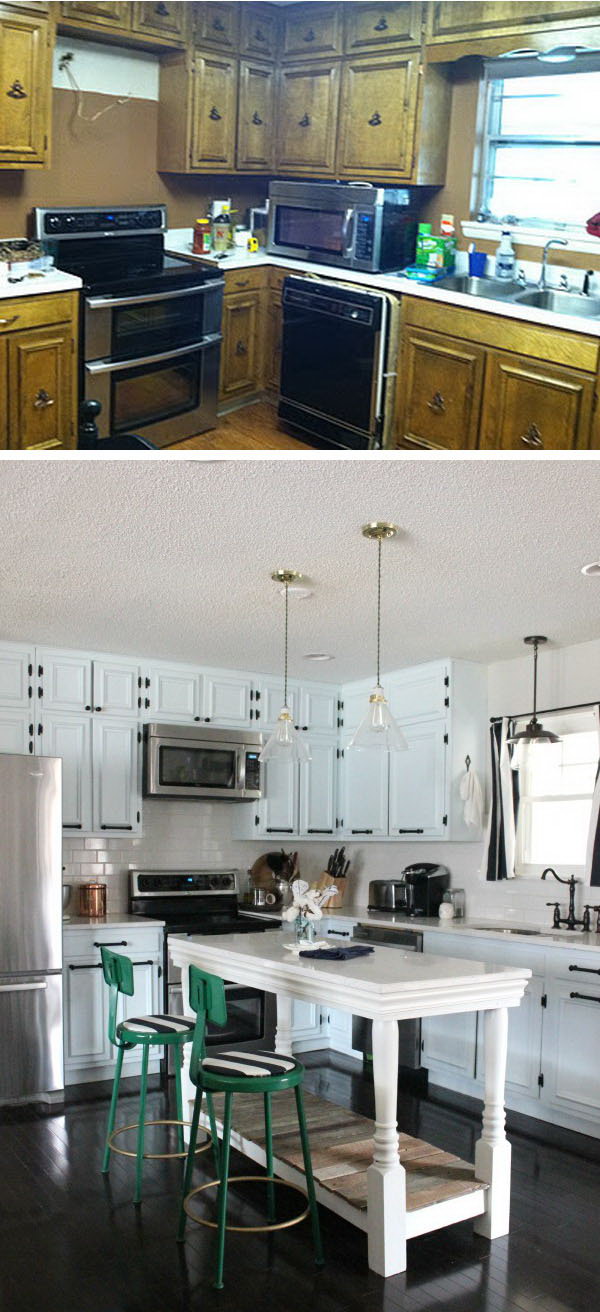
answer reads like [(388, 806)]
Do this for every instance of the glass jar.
[(455, 897), (304, 930)]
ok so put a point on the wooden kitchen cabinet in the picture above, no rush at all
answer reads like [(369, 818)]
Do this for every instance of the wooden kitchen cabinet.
[(99, 13), (217, 24), (25, 90), (460, 21), (531, 406), (41, 389), (273, 340), (388, 105), (259, 31), (3, 392), (256, 118), (160, 19), (311, 31), (308, 112), (440, 388), (240, 354), (197, 117), (375, 26)]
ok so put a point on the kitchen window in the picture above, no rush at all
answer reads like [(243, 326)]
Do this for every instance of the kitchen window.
[(556, 785), (540, 161)]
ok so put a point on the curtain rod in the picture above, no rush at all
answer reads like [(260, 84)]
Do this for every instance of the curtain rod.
[(554, 710)]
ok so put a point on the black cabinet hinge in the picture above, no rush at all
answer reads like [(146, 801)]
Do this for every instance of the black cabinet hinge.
[(40, 730), (447, 681), (257, 820), (138, 817), (30, 671), (139, 735), (40, 671), (544, 1000), (340, 723), (445, 820), (541, 1081), (446, 739), (446, 701), (159, 971), (139, 703), (257, 715), (139, 680), (251, 712), (340, 706)]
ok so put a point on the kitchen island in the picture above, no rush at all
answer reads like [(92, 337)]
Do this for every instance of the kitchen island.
[(385, 987)]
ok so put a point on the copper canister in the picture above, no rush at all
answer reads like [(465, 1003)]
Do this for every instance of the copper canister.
[(92, 899)]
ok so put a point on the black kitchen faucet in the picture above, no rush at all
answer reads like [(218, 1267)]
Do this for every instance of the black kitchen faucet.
[(570, 920)]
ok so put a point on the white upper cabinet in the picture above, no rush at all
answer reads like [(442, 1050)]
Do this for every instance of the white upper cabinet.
[(270, 702), (17, 673), (364, 793), (278, 808), (317, 791), (227, 701), (175, 693), (417, 783), (355, 703), (116, 775), (66, 680), (319, 709), (419, 693), (17, 731), (70, 738), (117, 688)]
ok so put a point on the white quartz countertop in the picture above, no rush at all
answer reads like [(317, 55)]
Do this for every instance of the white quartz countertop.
[(179, 242), (39, 284), (112, 921)]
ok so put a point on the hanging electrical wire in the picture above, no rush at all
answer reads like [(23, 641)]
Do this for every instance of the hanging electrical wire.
[(65, 67)]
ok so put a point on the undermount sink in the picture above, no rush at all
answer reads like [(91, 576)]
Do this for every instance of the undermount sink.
[(493, 288), (497, 929), (582, 307)]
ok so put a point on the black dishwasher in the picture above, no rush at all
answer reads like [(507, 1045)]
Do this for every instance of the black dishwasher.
[(409, 1031), (335, 384)]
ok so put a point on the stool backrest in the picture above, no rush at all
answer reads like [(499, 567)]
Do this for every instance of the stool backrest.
[(118, 973), (207, 999)]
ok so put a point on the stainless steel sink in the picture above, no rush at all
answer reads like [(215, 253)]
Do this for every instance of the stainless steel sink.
[(491, 929), (493, 288), (582, 307)]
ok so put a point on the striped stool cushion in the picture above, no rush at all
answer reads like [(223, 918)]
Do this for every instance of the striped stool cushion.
[(156, 1025), (249, 1063)]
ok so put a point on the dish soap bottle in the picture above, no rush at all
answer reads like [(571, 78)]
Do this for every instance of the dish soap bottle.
[(506, 259)]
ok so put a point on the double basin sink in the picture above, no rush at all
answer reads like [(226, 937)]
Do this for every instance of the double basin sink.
[(559, 302)]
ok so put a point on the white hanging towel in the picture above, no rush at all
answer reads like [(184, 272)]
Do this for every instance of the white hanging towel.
[(472, 795)]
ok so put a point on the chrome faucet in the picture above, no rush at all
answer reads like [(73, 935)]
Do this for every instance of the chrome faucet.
[(554, 241)]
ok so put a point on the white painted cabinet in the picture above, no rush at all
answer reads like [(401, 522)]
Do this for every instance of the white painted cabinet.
[(17, 672), (70, 738), (449, 1044), (419, 693), (88, 1053), (175, 693), (319, 709), (17, 731), (115, 775), (309, 1026), (85, 1019), (227, 702), (278, 809), (270, 702), (524, 1056), (317, 790), (570, 1062), (66, 680), (117, 688), (417, 782), (364, 793)]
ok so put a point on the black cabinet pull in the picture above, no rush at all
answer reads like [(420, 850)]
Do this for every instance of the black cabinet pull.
[(96, 966), (149, 962), (362, 831), (97, 708), (258, 35), (339, 933), (585, 997), (319, 831), (161, 9), (116, 826), (304, 122), (381, 26), (257, 120), (218, 25), (585, 970), (280, 831), (411, 831), (437, 404), (87, 708), (72, 826), (119, 943), (17, 91), (214, 114), (309, 36), (375, 120)]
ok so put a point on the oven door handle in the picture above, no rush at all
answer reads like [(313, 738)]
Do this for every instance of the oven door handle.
[(118, 302), (119, 366)]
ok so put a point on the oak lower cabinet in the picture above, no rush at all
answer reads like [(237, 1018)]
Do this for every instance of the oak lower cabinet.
[(256, 129), (38, 357), (26, 81), (89, 1055), (273, 340), (528, 406), (240, 352), (441, 397), (308, 114)]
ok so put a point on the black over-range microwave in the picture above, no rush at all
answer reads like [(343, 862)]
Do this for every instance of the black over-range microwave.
[(197, 761), (353, 225)]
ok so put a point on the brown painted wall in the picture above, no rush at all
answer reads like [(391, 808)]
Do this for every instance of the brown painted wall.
[(112, 162)]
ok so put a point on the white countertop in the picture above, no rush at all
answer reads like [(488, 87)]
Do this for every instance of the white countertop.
[(112, 921), (39, 285), (179, 242)]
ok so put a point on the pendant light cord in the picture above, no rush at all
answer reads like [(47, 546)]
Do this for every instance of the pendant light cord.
[(285, 648), (378, 611), (535, 660)]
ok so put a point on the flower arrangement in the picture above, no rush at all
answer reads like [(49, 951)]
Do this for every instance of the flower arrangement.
[(307, 907)]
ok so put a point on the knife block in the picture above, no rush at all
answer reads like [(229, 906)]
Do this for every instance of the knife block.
[(327, 881)]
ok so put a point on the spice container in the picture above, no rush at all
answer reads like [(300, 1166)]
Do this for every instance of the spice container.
[(202, 237), (92, 900)]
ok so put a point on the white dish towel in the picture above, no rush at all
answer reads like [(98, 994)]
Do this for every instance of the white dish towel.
[(472, 795)]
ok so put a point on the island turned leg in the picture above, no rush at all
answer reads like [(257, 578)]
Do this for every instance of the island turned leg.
[(283, 1036), (492, 1151), (386, 1178)]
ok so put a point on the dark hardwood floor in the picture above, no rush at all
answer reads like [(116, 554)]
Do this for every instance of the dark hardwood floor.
[(71, 1240)]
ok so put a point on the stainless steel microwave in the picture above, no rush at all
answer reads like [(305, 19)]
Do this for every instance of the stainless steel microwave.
[(188, 761), (353, 225)]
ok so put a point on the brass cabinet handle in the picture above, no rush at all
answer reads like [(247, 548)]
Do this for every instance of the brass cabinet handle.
[(257, 120), (5, 323), (375, 120), (17, 91), (381, 26), (43, 400), (309, 36), (241, 348), (532, 437), (304, 122), (214, 114), (437, 404)]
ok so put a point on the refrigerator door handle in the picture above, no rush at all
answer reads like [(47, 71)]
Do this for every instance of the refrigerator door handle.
[(22, 988)]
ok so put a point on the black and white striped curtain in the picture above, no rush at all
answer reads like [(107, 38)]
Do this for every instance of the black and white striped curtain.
[(499, 859), (592, 872)]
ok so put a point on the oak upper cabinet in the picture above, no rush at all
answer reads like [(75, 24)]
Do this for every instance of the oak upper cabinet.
[(375, 26), (214, 108), (378, 116), (439, 394), (240, 354), (308, 118), (256, 117), (99, 13), (259, 31), (25, 90), (312, 31), (160, 19), (41, 388), (3, 392), (217, 24), (530, 406), (460, 21)]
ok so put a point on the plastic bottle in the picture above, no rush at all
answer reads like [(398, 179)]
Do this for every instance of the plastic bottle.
[(506, 260)]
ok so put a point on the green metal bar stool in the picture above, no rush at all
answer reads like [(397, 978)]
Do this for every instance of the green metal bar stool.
[(230, 1073), (146, 1032)]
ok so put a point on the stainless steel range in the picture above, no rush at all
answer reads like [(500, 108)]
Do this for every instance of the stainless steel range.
[(206, 902), (150, 323)]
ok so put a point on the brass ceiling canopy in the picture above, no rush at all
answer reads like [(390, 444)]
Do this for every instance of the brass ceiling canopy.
[(286, 576), (379, 531)]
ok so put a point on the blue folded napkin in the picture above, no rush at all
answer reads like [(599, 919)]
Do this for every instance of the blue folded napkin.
[(338, 954)]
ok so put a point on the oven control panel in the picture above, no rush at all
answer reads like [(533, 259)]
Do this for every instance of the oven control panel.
[(85, 222), (161, 883)]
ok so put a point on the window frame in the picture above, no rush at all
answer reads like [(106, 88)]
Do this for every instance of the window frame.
[(533, 870)]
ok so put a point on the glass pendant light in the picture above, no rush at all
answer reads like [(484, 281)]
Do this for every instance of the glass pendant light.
[(534, 734), (285, 743), (379, 728)]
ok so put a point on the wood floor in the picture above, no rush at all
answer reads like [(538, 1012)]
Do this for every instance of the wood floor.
[(71, 1240), (251, 428)]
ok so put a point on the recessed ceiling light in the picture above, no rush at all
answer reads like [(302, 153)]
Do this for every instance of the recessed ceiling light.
[(318, 656), (593, 569)]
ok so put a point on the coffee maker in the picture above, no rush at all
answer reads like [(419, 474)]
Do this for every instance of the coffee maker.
[(425, 888)]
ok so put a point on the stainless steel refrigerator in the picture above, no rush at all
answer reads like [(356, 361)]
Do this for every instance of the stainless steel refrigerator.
[(31, 1026)]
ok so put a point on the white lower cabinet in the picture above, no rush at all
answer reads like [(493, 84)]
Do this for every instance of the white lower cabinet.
[(89, 1054), (571, 1047), (309, 1026), (523, 1063), (449, 1044)]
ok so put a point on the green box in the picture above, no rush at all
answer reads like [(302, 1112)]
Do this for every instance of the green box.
[(436, 252)]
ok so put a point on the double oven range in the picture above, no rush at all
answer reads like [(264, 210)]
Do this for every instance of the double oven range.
[(150, 323), (206, 902)]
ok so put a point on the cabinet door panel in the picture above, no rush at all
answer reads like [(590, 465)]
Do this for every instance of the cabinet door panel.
[(278, 809), (17, 731), (227, 701), (308, 118), (256, 117), (458, 21), (318, 710), (417, 783), (307, 1023), (530, 407), (214, 104), (377, 122), (175, 694), (41, 404), (25, 78), (115, 774), (371, 26), (259, 31), (240, 355), (70, 738), (66, 681), (449, 1043), (364, 793), (4, 392), (571, 1045), (524, 1040), (217, 24), (271, 703), (16, 678), (419, 693), (86, 1016), (102, 13), (273, 338), (116, 689), (440, 401), (317, 790), (144, 1001), (160, 19), (311, 30)]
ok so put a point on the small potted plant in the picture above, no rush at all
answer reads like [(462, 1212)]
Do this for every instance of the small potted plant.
[(307, 908)]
